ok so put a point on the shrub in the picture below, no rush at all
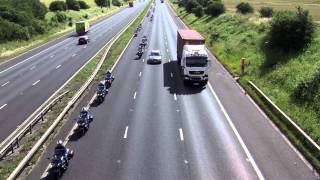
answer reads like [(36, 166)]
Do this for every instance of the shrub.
[(116, 3), (291, 30), (198, 11), (73, 5), (58, 6), (83, 5), (190, 4), (86, 16), (215, 8), (39, 10), (102, 3), (59, 17), (266, 11), (244, 8)]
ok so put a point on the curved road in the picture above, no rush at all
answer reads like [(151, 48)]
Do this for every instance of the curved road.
[(153, 127)]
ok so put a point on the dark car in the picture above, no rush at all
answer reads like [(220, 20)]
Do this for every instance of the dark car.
[(83, 40)]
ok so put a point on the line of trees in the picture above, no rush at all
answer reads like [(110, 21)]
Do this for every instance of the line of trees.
[(68, 4)]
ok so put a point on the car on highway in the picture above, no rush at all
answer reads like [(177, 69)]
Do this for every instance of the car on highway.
[(83, 40), (155, 57)]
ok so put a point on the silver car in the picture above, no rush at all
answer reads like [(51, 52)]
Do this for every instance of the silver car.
[(155, 57)]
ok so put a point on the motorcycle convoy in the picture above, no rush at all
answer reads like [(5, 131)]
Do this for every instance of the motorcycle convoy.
[(62, 155)]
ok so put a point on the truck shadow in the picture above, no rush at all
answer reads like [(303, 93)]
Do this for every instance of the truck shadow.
[(174, 83)]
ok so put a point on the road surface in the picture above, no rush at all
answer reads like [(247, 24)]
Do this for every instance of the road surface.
[(153, 127)]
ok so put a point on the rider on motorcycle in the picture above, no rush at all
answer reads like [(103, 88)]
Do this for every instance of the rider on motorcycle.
[(109, 76), (60, 150)]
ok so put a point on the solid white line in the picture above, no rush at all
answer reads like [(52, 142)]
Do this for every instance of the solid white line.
[(3, 106), (31, 57), (135, 94), (175, 96), (244, 147), (126, 133), (5, 83), (171, 74), (140, 74), (58, 66), (181, 134), (35, 82)]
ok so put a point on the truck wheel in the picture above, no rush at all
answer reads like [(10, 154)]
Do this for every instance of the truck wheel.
[(186, 82)]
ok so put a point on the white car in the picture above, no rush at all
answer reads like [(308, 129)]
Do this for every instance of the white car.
[(155, 57)]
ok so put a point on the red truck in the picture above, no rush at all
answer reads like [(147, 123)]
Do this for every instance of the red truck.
[(192, 56)]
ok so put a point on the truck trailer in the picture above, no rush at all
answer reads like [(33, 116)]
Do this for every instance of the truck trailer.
[(192, 57), (82, 27)]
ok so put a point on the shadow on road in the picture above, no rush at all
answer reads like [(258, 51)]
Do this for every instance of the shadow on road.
[(174, 82)]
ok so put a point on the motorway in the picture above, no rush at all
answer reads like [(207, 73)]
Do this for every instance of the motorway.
[(153, 127), (29, 80)]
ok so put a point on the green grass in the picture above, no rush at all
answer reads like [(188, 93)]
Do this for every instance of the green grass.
[(232, 36), (312, 5), (13, 48)]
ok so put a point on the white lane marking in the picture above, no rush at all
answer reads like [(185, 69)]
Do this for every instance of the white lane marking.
[(181, 134), (31, 57), (51, 56), (73, 55), (135, 95), (244, 147), (140, 74), (171, 74), (186, 162), (32, 67), (5, 83), (142, 60), (58, 66), (167, 50), (84, 46), (126, 132), (3, 106), (36, 82), (169, 60), (175, 96)]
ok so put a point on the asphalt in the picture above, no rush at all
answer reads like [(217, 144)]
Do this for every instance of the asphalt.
[(153, 127), (30, 79)]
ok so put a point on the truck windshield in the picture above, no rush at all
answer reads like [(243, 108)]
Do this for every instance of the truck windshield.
[(196, 61)]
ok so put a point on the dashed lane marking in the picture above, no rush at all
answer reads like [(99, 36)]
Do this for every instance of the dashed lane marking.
[(5, 84), (3, 106), (126, 132), (58, 66), (36, 82), (181, 134)]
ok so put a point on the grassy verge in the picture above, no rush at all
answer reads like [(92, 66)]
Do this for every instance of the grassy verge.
[(232, 36), (14, 48), (11, 162)]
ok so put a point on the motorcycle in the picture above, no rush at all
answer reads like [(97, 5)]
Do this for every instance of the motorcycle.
[(108, 80), (140, 53), (101, 92), (60, 162)]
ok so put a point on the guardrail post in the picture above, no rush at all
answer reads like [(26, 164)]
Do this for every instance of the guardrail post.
[(30, 129), (12, 148), (42, 119), (17, 142)]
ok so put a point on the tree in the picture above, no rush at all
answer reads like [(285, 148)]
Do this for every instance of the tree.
[(83, 5), (215, 8), (266, 11), (190, 4), (73, 5), (102, 3), (198, 10), (291, 30), (244, 8), (58, 6)]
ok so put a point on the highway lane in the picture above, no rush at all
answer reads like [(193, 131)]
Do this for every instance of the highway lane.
[(152, 127), (26, 83)]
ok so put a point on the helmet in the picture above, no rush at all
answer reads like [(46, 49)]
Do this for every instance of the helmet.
[(108, 72), (59, 142)]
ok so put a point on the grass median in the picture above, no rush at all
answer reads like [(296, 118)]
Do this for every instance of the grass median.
[(8, 164)]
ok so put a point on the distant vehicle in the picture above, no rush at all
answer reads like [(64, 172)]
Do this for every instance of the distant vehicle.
[(83, 40), (82, 27), (192, 57), (162, 1), (155, 57), (130, 3)]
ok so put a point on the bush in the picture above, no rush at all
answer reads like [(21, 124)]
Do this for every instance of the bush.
[(266, 11), (291, 30), (102, 3), (116, 3), (244, 8), (83, 5), (39, 10), (190, 4), (58, 6), (198, 11), (215, 8), (59, 17), (73, 5)]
